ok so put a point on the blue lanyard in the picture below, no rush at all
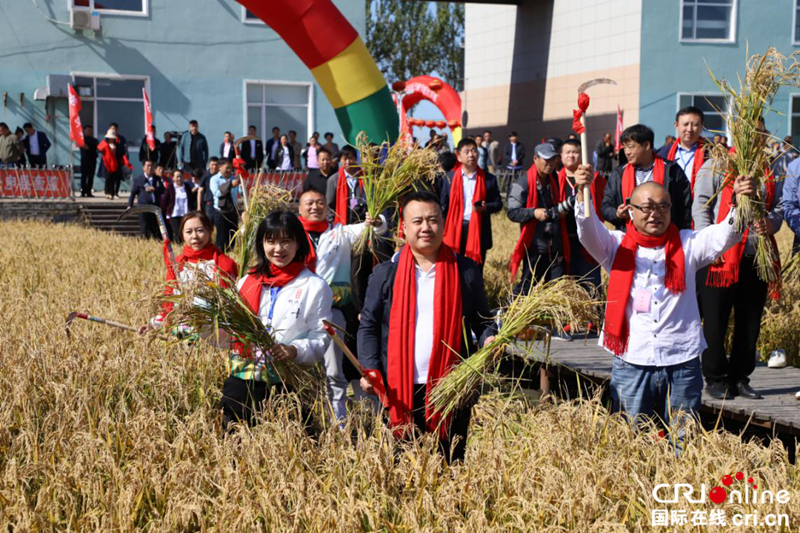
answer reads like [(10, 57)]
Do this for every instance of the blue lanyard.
[(688, 161), (273, 297)]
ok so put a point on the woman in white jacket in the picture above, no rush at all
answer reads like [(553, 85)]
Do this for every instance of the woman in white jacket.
[(291, 302)]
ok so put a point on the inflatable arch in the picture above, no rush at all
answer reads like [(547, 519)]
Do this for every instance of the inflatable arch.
[(437, 92), (331, 48)]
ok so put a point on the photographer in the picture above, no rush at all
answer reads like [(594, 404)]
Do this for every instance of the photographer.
[(532, 202)]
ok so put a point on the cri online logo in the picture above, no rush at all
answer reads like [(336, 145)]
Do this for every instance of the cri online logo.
[(718, 494)]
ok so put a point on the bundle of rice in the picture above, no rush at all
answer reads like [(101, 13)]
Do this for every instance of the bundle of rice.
[(555, 304), (764, 75)]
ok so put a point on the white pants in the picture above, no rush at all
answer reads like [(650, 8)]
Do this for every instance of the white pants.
[(337, 384)]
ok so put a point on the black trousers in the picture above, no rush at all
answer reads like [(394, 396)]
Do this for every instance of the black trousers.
[(148, 226), (37, 160), (242, 400), (226, 224), (536, 266), (362, 264), (462, 246), (746, 298), (87, 179), (113, 180), (174, 229), (454, 448)]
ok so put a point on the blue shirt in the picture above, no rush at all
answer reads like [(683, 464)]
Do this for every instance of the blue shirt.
[(216, 181), (791, 198)]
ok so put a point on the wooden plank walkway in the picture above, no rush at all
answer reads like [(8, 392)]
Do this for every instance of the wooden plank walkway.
[(778, 409)]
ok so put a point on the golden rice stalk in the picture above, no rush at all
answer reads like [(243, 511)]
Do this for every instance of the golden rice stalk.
[(264, 198), (764, 75), (553, 303), (388, 172)]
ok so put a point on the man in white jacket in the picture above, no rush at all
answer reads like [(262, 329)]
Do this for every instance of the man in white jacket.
[(332, 245)]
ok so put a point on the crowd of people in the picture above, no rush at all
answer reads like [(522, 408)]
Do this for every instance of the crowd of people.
[(26, 146), (676, 262)]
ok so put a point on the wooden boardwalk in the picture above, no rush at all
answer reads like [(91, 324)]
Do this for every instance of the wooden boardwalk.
[(778, 410)]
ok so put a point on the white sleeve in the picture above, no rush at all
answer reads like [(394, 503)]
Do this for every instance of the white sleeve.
[(319, 301), (706, 245), (599, 241), (352, 232)]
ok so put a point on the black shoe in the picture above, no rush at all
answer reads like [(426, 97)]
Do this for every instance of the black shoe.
[(719, 391), (744, 390)]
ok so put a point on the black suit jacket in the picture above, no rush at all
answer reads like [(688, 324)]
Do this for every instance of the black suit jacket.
[(494, 204), (373, 333), (675, 181), (141, 195), (167, 202), (146, 154), (271, 163), (520, 154), (167, 157), (44, 146), (254, 161)]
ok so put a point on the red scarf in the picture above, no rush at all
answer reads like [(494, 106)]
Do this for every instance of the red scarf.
[(226, 268), (615, 330), (109, 156), (316, 227), (727, 273), (699, 155), (529, 228), (402, 326), (342, 198), (455, 216), (629, 177)]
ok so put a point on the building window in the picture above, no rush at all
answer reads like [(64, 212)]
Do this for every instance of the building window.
[(796, 24), (795, 118), (708, 20), (289, 106), (113, 99), (250, 18), (715, 108), (121, 7)]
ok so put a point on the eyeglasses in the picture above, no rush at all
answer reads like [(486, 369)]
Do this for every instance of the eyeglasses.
[(649, 208)]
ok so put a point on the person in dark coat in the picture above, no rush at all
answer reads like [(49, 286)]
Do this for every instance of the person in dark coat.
[(425, 294), (147, 190), (644, 165), (605, 155), (253, 150), (88, 161), (167, 152), (317, 178), (36, 146), (179, 198), (146, 154)]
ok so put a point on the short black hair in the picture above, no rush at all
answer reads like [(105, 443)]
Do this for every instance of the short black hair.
[(570, 142), (197, 173), (423, 196), (349, 151), (213, 159), (27, 125), (228, 133), (638, 133), (325, 151), (311, 189), (114, 125), (512, 134), (275, 128), (292, 131), (279, 224), (3, 125), (193, 122), (487, 131), (249, 127), (447, 160), (690, 110), (466, 141), (328, 133)]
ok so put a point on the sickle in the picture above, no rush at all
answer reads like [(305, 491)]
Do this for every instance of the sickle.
[(597, 81)]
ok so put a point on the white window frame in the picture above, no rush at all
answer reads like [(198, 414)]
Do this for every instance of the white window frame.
[(795, 40), (94, 98), (791, 115), (263, 127), (245, 20), (145, 12), (701, 94), (730, 40)]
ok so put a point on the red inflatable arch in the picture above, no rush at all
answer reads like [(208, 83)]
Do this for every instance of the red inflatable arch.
[(437, 92)]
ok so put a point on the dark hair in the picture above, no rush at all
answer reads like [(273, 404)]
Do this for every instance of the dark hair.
[(447, 160), (512, 134), (249, 127), (18, 131), (292, 131), (488, 131), (690, 110), (4, 125), (193, 122), (638, 133), (324, 151), (570, 142), (275, 128), (213, 159), (280, 224), (348, 150), (114, 125), (466, 141), (204, 220), (27, 125), (228, 133), (311, 189), (423, 196), (328, 133), (197, 173)]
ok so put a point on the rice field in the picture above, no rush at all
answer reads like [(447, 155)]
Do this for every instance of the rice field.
[(108, 431)]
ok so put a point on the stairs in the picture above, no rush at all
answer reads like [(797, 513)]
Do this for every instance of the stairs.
[(104, 215)]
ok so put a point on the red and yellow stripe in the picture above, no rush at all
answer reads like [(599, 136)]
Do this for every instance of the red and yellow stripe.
[(331, 48)]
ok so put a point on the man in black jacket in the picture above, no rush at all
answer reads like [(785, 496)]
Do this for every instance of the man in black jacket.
[(643, 166), (271, 148), (167, 152), (467, 153), (146, 154), (36, 146), (380, 350), (88, 162), (252, 151), (514, 155), (147, 189), (317, 178)]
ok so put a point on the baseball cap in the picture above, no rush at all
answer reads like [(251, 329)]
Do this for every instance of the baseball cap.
[(545, 150)]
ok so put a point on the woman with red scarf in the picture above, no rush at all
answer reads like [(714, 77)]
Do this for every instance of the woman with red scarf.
[(113, 158), (291, 303), (199, 256), (411, 323), (652, 321)]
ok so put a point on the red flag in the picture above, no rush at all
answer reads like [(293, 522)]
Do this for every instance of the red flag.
[(75, 128), (148, 122), (618, 135)]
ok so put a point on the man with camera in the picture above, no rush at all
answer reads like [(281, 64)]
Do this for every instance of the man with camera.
[(533, 203)]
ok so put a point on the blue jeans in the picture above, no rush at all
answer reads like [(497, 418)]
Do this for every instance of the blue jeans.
[(640, 391)]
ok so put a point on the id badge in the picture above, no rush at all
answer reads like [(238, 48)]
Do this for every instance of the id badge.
[(641, 300)]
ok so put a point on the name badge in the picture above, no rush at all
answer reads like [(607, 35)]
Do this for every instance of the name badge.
[(641, 300)]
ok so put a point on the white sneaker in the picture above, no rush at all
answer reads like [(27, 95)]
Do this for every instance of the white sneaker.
[(777, 359)]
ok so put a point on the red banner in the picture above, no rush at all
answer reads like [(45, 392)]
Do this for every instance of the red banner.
[(618, 133), (148, 122), (75, 128), (291, 181), (21, 183)]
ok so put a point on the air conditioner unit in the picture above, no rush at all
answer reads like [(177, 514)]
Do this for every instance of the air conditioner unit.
[(84, 19)]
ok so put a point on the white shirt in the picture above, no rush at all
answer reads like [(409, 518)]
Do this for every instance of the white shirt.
[(423, 329), (669, 333), (513, 151), (252, 148), (469, 183), (226, 149), (286, 164), (685, 159), (181, 202), (352, 181), (34, 140), (643, 175)]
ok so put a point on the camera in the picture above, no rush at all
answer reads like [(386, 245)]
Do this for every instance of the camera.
[(563, 207)]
